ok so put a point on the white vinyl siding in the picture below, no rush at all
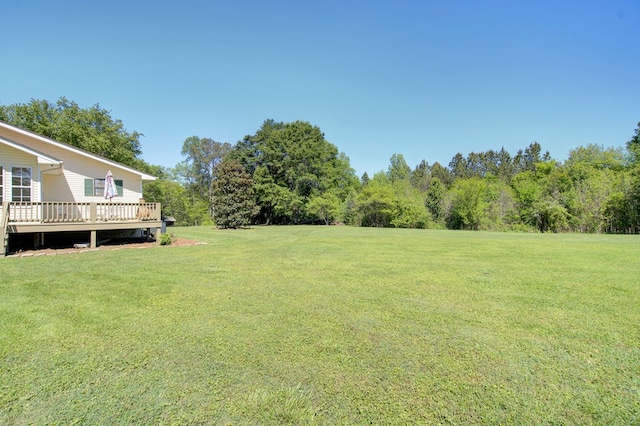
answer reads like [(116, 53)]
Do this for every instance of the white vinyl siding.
[(1, 184), (10, 158)]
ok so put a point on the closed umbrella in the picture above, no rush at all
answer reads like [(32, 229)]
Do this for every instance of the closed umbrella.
[(110, 191)]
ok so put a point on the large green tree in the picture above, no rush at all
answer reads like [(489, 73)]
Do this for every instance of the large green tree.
[(198, 170), (442, 173), (504, 167), (173, 198), (92, 129), (469, 204), (234, 201), (292, 163), (376, 202), (623, 207), (421, 176), (527, 159), (325, 207), (398, 168), (500, 212), (410, 210), (434, 200), (458, 166), (595, 175)]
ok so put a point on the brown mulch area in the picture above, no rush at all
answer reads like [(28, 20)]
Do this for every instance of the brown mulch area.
[(113, 246)]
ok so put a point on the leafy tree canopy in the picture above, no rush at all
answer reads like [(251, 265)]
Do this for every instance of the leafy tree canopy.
[(398, 168), (91, 129), (597, 156), (197, 171), (326, 207), (421, 176), (290, 163), (468, 204)]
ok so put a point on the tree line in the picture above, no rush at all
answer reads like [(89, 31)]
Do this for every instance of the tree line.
[(288, 173)]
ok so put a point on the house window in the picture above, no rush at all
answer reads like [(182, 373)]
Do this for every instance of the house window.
[(98, 187), (95, 187), (21, 184)]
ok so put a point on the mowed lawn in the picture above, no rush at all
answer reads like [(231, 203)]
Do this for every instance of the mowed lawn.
[(326, 325)]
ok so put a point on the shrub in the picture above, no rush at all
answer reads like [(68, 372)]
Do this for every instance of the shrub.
[(166, 239)]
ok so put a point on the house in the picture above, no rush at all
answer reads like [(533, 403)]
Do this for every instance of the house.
[(48, 186)]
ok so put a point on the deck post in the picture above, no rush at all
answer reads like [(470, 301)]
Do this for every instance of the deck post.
[(94, 240), (93, 212)]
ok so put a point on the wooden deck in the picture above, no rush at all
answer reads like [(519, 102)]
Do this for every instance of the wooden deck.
[(43, 217)]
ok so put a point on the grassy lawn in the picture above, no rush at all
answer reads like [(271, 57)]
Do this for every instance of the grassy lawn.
[(326, 325)]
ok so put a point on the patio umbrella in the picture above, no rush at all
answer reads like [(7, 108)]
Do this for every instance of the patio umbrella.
[(110, 190)]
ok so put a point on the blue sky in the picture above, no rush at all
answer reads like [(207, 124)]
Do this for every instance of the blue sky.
[(425, 79)]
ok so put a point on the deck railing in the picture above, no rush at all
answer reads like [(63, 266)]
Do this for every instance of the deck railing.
[(68, 212)]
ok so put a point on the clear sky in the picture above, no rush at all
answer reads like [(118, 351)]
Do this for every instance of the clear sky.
[(421, 78)]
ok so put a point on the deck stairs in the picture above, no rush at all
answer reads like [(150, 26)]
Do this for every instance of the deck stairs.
[(4, 223)]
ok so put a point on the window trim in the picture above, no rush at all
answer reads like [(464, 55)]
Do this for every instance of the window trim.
[(22, 187), (98, 187)]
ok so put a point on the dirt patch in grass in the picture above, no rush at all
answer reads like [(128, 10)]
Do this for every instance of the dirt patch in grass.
[(112, 245)]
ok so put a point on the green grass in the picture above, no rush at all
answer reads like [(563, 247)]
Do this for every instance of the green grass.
[(326, 325)]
